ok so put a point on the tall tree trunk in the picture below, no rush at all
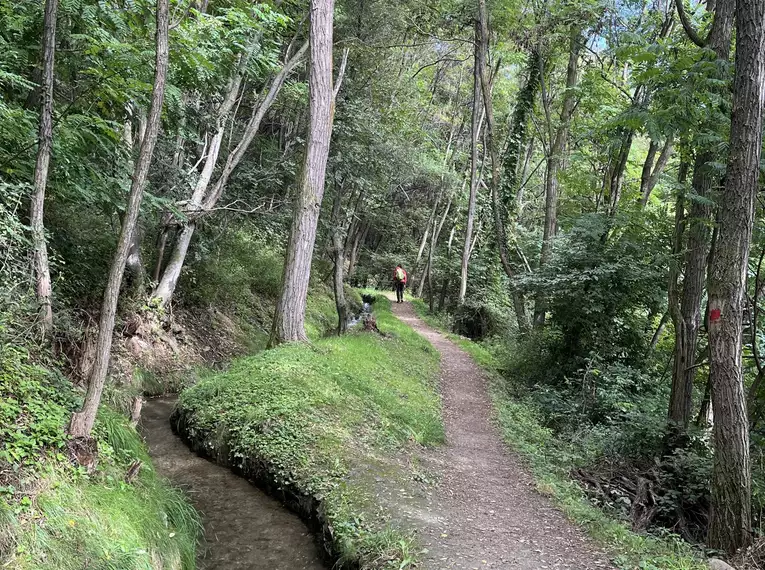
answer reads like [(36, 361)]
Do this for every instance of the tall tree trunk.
[(557, 148), (731, 509), (435, 231), (512, 187), (82, 421), (358, 240), (45, 142), (696, 257), (482, 26), (339, 252), (680, 397), (433, 245), (474, 136), (289, 319)]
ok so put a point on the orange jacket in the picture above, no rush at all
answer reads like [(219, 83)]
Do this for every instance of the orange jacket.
[(395, 277)]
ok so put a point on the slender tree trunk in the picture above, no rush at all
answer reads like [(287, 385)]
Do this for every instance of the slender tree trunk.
[(730, 524), (442, 296), (339, 251), (203, 201), (474, 136), (135, 272), (554, 160), (615, 180), (704, 419), (358, 241), (658, 332), (682, 374), (289, 319), (161, 245), (45, 142), (82, 421), (650, 175), (688, 321)]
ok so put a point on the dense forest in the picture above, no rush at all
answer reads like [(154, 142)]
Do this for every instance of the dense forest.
[(572, 184)]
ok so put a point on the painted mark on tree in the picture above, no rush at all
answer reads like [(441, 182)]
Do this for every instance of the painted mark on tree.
[(714, 315)]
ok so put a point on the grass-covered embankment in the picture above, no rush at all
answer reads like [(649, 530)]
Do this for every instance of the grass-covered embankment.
[(54, 515), (551, 459), (317, 425)]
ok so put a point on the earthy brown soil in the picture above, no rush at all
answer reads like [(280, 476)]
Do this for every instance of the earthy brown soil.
[(485, 512), (244, 528)]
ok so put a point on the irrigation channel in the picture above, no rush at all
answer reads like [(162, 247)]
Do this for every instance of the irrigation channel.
[(244, 529)]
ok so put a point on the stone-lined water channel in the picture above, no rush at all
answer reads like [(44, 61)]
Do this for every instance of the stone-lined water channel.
[(244, 528)]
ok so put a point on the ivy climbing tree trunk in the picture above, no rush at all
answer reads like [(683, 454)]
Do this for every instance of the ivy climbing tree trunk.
[(289, 319), (482, 26), (512, 183), (475, 127), (731, 509), (83, 420), (45, 142)]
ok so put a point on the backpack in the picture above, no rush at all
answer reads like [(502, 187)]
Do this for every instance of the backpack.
[(400, 274)]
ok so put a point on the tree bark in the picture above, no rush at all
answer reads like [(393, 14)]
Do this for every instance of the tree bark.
[(474, 136), (650, 175), (82, 421), (135, 272), (615, 175), (45, 142), (339, 252), (682, 373), (358, 241), (688, 321), (289, 319), (435, 231), (554, 159), (731, 509)]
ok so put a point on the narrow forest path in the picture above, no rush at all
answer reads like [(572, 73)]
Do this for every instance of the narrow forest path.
[(244, 528), (485, 511)]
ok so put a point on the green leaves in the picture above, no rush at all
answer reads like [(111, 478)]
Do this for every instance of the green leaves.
[(33, 410)]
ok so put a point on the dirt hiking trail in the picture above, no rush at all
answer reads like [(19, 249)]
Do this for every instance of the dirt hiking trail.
[(244, 528), (485, 511)]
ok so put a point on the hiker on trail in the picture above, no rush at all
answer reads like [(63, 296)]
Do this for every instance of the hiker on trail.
[(399, 279)]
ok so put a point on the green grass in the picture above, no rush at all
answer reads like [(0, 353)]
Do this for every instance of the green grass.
[(56, 516), (550, 461), (326, 418)]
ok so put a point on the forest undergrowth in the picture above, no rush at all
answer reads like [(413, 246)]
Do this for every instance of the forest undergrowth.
[(116, 514), (558, 459)]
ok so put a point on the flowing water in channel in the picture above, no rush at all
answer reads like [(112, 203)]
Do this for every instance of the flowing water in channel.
[(244, 528)]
